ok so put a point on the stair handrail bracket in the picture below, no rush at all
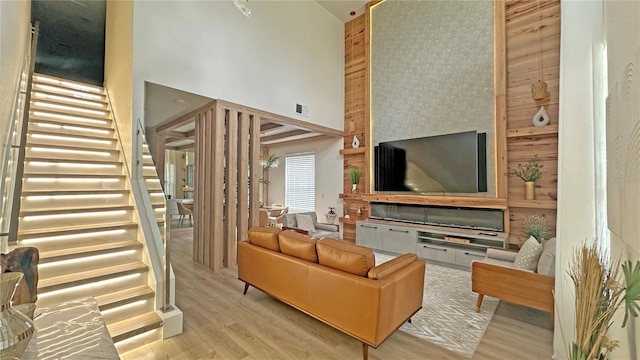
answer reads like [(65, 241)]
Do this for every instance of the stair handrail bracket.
[(156, 249)]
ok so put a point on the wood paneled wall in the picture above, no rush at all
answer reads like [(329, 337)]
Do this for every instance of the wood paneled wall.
[(533, 39), (522, 44), (355, 124)]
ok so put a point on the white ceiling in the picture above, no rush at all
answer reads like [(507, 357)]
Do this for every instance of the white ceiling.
[(163, 103), (342, 9)]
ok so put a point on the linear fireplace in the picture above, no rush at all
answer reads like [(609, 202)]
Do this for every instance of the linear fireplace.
[(456, 217)]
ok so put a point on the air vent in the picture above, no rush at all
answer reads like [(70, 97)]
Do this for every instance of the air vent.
[(302, 110)]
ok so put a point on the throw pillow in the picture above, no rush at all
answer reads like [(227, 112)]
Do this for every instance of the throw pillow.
[(527, 257), (547, 262), (305, 222)]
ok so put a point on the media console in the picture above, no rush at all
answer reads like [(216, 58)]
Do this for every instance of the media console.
[(461, 236)]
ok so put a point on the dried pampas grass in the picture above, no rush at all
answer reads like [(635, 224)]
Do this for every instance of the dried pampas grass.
[(598, 294)]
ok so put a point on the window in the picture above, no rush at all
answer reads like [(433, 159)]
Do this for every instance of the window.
[(300, 182)]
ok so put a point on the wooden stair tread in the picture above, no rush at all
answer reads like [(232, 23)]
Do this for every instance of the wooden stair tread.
[(81, 209), (91, 276), (47, 92), (133, 326), (70, 230), (57, 159), (118, 298), (37, 119), (38, 78), (72, 192), (91, 250), (62, 103), (73, 176), (31, 144), (72, 136), (106, 118)]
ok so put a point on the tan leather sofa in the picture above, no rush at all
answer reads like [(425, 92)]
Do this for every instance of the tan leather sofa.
[(334, 281)]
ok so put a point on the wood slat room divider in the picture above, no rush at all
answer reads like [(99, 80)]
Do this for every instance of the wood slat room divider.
[(227, 169)]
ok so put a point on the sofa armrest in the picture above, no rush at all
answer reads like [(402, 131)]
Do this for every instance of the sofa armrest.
[(327, 227), (501, 254), (514, 285)]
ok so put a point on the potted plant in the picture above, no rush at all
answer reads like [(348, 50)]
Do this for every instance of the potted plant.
[(599, 292), (267, 163), (536, 226), (354, 175), (530, 172)]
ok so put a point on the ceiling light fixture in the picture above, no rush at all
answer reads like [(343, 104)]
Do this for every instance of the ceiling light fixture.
[(240, 4)]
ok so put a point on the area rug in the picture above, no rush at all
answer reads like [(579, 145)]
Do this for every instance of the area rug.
[(448, 318)]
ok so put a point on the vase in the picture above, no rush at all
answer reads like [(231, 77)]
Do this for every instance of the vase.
[(17, 328), (529, 194), (354, 188)]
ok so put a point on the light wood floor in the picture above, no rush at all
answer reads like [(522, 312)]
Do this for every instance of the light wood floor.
[(221, 323)]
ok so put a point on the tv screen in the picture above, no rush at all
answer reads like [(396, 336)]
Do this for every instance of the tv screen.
[(451, 163)]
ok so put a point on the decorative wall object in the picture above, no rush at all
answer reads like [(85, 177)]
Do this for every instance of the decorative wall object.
[(355, 143), (539, 89), (541, 118)]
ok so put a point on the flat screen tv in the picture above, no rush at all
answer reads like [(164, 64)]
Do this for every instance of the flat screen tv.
[(451, 163)]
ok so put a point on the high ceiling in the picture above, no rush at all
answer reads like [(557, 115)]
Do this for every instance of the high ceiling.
[(163, 104), (342, 9)]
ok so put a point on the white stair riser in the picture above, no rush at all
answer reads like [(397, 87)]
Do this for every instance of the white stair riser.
[(61, 184), (96, 289), (58, 167), (128, 311), (117, 257), (31, 223), (65, 242), (72, 202)]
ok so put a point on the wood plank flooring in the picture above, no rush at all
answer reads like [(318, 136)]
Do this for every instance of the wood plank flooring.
[(221, 323)]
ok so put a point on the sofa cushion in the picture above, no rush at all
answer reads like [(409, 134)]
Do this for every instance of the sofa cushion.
[(547, 261), (500, 254), (298, 245), (391, 266), (527, 257), (346, 257), (305, 222), (266, 237)]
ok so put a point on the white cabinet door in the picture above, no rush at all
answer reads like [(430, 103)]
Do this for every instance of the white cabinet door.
[(368, 234), (398, 239)]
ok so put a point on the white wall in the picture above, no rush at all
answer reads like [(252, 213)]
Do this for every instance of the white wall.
[(329, 168), (581, 34), (118, 72), (622, 21), (288, 52)]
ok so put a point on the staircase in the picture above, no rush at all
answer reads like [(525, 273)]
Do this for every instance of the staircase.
[(77, 208)]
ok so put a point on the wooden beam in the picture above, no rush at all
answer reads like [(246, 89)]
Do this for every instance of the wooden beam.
[(175, 134), (190, 134), (254, 164), (297, 141), (500, 102), (269, 126), (283, 135), (217, 179), (283, 120), (243, 176), (179, 120), (231, 189)]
